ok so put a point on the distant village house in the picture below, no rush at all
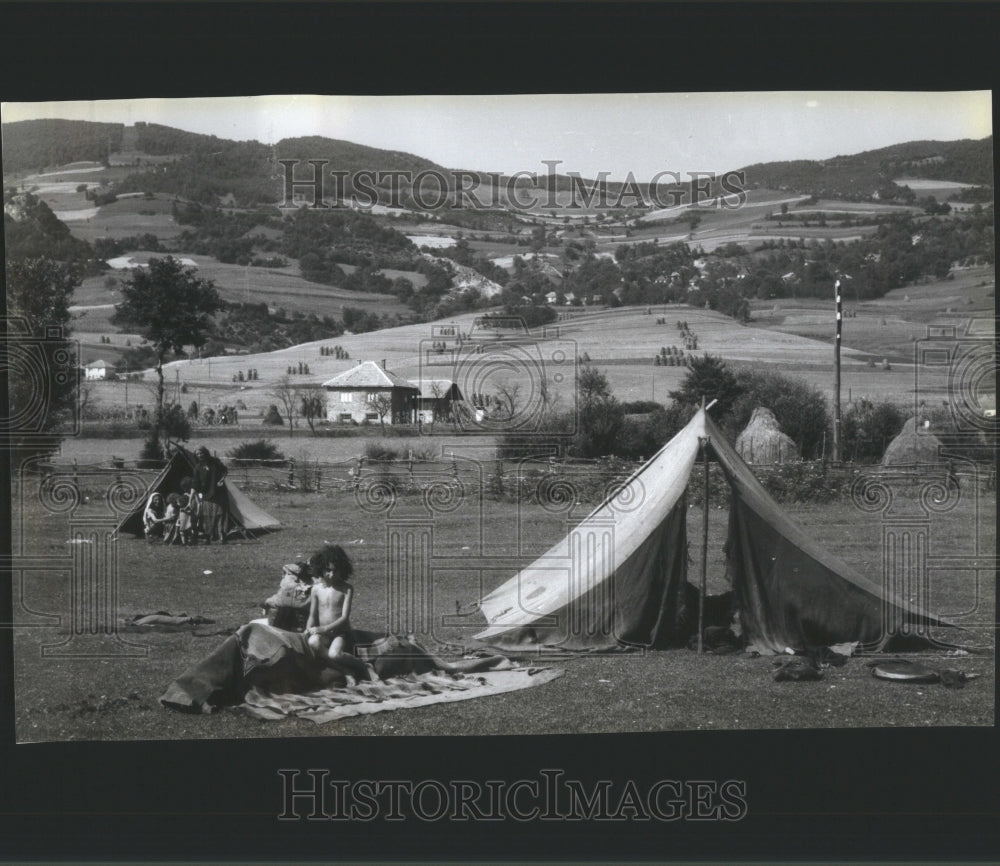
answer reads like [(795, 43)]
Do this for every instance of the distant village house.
[(436, 399), (369, 392), (99, 370)]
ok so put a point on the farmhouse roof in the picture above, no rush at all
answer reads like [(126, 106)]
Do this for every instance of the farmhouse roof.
[(426, 386), (367, 374), (97, 365)]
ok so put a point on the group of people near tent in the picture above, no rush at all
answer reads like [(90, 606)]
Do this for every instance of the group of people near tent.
[(198, 506), (218, 507)]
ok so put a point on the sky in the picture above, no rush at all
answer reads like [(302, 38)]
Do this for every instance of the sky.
[(588, 133)]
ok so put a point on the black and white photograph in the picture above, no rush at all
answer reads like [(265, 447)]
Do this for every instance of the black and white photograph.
[(347, 415), (527, 432)]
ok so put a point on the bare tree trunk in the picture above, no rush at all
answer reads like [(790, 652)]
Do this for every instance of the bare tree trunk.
[(160, 391)]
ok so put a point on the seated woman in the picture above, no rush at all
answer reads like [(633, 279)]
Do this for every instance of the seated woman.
[(154, 517)]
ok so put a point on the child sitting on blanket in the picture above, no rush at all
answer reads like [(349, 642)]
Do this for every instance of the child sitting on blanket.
[(328, 629), (329, 625)]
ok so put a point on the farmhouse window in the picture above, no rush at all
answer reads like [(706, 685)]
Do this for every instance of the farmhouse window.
[(345, 396)]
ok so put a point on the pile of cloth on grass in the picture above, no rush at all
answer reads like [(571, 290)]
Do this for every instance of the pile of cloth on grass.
[(164, 620), (268, 668), (288, 608), (273, 674)]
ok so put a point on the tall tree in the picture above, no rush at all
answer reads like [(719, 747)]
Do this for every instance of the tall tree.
[(172, 308), (591, 385), (285, 393), (710, 379), (42, 378), (380, 402), (312, 405)]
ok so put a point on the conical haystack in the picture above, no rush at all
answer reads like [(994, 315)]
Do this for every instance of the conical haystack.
[(915, 444), (762, 441)]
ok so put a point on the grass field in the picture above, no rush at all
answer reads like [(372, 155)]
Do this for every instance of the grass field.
[(893, 327), (747, 225), (277, 287), (788, 336), (111, 699)]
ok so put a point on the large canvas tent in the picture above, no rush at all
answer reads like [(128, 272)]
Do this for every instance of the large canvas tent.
[(244, 514), (619, 577)]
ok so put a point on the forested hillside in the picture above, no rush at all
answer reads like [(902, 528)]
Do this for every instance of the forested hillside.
[(34, 145), (860, 176)]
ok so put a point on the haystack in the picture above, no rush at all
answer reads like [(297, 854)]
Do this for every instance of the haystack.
[(914, 445), (762, 441)]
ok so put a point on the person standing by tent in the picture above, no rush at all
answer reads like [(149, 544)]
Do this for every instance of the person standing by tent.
[(208, 486), (209, 473)]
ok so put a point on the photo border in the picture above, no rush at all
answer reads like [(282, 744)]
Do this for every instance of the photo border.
[(910, 794)]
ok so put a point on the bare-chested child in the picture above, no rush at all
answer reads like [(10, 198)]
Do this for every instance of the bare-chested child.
[(329, 625)]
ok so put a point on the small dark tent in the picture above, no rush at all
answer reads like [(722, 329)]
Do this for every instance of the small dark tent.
[(244, 515), (618, 578)]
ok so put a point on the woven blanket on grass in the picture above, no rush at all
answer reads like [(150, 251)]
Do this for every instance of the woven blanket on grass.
[(396, 693), (279, 664)]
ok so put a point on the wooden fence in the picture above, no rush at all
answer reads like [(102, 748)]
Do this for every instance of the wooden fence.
[(550, 481)]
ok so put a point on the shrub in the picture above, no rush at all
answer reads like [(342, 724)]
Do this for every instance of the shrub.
[(641, 438), (867, 428), (379, 453), (815, 481), (601, 422), (151, 456), (257, 452), (273, 416), (424, 455), (552, 435), (176, 424), (709, 378), (641, 407)]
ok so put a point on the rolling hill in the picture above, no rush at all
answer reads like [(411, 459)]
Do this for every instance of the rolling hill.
[(859, 176), (207, 168), (33, 145)]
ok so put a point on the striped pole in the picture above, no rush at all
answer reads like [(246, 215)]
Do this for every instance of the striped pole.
[(836, 383)]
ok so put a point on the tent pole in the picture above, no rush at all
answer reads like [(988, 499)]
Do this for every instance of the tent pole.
[(704, 550), (836, 379)]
